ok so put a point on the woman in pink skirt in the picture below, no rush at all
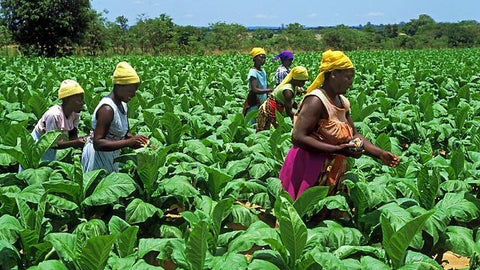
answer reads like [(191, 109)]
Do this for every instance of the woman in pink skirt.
[(323, 133)]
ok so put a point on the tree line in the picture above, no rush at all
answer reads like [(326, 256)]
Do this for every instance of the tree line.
[(66, 27)]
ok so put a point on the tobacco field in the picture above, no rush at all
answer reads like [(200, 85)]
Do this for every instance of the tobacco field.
[(205, 193)]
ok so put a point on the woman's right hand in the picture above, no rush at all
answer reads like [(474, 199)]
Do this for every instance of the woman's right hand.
[(137, 141), (80, 142), (345, 149)]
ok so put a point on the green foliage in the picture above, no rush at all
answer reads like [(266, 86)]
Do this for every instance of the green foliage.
[(395, 243), (206, 192), (57, 24)]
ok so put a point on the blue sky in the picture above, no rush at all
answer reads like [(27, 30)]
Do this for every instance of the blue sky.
[(278, 12)]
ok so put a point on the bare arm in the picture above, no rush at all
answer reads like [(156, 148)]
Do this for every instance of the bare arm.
[(288, 94), (374, 151), (100, 143), (311, 112), (74, 140), (254, 86)]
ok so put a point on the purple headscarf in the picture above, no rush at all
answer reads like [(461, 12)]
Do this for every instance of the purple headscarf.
[(284, 55)]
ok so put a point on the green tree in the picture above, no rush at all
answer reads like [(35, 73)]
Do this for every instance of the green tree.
[(122, 29), (390, 31), (262, 34), (5, 39), (138, 32), (189, 39), (411, 27), (95, 39), (343, 38), (460, 36), (223, 36), (296, 36), (160, 33), (47, 27)]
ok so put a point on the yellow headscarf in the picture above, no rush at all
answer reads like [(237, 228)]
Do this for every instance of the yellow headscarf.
[(69, 88), (125, 74), (331, 60), (256, 51), (297, 73)]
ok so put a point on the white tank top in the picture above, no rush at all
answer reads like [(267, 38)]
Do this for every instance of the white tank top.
[(119, 126)]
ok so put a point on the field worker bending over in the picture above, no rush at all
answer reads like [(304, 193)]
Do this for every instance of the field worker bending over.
[(63, 117), (282, 98), (323, 132), (257, 82), (286, 58), (110, 123)]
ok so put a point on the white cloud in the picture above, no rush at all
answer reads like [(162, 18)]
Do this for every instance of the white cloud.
[(375, 14), (312, 15), (261, 16), (264, 16), (188, 15)]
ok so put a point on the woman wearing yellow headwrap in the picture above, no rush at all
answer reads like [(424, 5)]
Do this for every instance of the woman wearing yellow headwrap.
[(257, 82), (64, 117), (323, 133), (110, 123), (281, 98)]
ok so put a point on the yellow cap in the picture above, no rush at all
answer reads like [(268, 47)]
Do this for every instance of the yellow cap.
[(256, 51), (69, 88), (125, 74), (297, 73)]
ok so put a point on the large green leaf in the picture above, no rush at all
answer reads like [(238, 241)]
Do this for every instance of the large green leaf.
[(428, 187), (45, 142), (344, 252), (178, 185), (261, 265), (460, 240), (148, 163), (256, 234), (328, 261), (456, 206), (49, 265), (64, 244), (228, 261), (110, 189), (219, 212), (309, 198), (360, 196), (9, 228), (416, 260), (369, 263), (293, 231), (89, 229), (173, 128), (95, 253), (457, 161), (436, 225), (461, 116), (334, 236), (216, 181), (383, 141), (126, 236), (138, 211), (196, 246), (395, 243)]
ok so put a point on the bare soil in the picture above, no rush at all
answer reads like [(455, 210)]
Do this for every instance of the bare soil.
[(454, 261)]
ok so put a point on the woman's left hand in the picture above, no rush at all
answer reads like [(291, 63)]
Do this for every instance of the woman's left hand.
[(389, 159)]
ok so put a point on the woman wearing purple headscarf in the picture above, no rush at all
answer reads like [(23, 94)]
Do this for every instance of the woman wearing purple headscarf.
[(282, 71)]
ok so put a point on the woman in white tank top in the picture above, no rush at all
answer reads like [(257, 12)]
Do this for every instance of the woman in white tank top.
[(110, 123)]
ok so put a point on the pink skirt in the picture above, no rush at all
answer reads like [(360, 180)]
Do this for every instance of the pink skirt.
[(301, 170)]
